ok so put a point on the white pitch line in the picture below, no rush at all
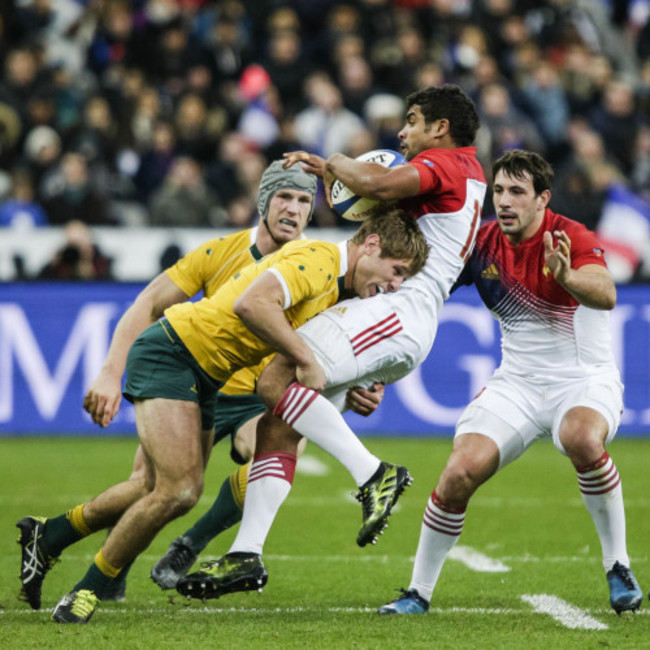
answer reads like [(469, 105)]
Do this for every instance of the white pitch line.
[(181, 606), (311, 466), (568, 615), (476, 561)]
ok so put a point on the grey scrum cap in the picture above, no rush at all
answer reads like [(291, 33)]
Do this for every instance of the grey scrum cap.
[(275, 178)]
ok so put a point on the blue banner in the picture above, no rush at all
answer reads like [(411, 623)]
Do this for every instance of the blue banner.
[(54, 337)]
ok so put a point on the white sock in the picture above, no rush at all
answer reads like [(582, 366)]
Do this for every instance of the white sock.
[(269, 484), (314, 417), (602, 493), (440, 531)]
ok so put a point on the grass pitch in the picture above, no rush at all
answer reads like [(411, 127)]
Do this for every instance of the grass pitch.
[(527, 571)]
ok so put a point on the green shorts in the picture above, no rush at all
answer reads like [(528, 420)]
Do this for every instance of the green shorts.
[(159, 365), (232, 411)]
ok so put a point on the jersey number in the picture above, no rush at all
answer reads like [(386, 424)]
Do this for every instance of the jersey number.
[(469, 244)]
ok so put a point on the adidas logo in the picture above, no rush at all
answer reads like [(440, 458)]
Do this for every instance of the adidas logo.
[(491, 273)]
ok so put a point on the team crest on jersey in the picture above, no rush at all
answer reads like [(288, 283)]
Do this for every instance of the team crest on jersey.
[(597, 251), (491, 273)]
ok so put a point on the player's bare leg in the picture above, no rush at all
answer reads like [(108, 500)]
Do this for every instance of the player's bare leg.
[(474, 459), (176, 451), (583, 433)]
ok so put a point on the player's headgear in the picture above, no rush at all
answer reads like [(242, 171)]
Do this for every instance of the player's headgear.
[(275, 178)]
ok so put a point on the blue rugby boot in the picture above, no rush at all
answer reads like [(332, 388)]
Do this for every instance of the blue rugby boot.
[(410, 602), (625, 595)]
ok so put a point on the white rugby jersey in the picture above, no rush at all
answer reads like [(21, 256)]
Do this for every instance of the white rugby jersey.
[(448, 211), (546, 334)]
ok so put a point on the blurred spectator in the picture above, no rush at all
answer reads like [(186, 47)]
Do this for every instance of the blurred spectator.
[(397, 59), (258, 122), (240, 212), (228, 49), (10, 130), (286, 65), (618, 122), (42, 152), (19, 210), (578, 79), (355, 79), (96, 136), (174, 54), (197, 128), (71, 197), (582, 182), (221, 174), (640, 176), (550, 109), (20, 79), (155, 163), (78, 259), (184, 199), (509, 127), (115, 40), (384, 114), (326, 125), (146, 112)]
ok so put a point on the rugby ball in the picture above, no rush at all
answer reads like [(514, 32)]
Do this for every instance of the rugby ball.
[(353, 207)]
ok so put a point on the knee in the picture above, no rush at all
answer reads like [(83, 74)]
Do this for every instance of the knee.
[(457, 484), (582, 448), (180, 499)]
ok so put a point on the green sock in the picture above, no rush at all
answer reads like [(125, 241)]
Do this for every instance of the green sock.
[(95, 581), (59, 533), (223, 514), (117, 588)]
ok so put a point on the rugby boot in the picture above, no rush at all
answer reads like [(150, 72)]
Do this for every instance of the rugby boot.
[(175, 564), (75, 607), (232, 572), (410, 602), (35, 562), (624, 591), (377, 497)]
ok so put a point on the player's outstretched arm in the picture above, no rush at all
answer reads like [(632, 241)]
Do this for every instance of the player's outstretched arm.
[(102, 400), (591, 285)]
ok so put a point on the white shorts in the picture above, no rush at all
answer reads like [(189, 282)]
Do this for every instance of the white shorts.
[(359, 342), (514, 413)]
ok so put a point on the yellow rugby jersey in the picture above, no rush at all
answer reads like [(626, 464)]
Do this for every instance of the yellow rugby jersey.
[(244, 381), (205, 269), (311, 273)]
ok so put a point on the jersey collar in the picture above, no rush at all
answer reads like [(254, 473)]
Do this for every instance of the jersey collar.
[(255, 251), (343, 269)]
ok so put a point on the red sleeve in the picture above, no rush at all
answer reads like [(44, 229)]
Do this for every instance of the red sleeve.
[(429, 179), (585, 246)]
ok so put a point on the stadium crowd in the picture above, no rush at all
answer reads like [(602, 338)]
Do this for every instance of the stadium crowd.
[(166, 112)]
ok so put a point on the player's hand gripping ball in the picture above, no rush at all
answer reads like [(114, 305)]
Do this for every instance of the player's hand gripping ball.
[(353, 207)]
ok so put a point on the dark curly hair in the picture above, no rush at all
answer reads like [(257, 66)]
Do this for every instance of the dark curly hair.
[(451, 102)]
